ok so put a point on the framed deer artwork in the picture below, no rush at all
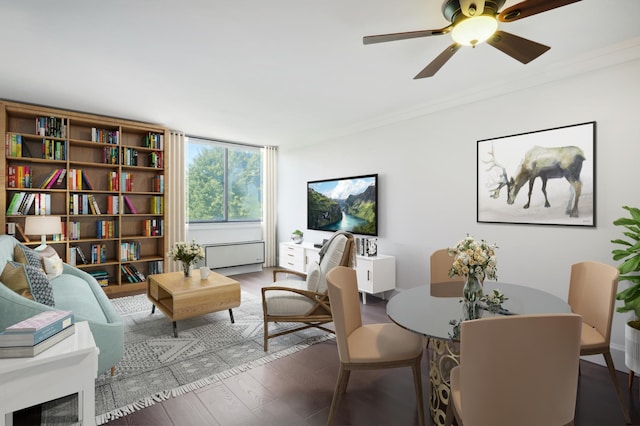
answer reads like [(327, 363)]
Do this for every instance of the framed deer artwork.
[(544, 177)]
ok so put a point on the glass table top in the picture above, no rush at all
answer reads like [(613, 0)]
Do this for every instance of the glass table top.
[(417, 310)]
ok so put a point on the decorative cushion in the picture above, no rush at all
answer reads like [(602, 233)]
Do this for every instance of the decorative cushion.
[(37, 281), (52, 266), (313, 276), (26, 256), (14, 278), (282, 302)]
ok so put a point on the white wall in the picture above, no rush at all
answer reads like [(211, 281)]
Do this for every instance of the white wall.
[(427, 183)]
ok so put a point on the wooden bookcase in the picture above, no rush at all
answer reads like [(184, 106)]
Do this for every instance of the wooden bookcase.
[(104, 150)]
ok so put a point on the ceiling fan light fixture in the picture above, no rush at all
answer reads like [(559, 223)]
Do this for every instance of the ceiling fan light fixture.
[(474, 30)]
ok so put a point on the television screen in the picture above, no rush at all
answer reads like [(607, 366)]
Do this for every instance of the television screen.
[(345, 204)]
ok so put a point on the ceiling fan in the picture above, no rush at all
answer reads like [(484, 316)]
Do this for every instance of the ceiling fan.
[(475, 21)]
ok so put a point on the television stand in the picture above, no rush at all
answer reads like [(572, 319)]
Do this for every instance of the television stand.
[(376, 274)]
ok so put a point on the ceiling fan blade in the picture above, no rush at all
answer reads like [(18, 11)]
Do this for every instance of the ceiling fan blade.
[(431, 69), (472, 7), (404, 36), (531, 7), (518, 48)]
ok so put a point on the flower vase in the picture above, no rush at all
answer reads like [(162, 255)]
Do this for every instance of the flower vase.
[(186, 268), (472, 293)]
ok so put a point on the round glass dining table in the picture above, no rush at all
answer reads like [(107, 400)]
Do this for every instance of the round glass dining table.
[(435, 316)]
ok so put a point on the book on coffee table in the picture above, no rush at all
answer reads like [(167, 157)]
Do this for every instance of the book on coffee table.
[(31, 351)]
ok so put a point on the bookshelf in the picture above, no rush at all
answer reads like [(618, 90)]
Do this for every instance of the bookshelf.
[(103, 176)]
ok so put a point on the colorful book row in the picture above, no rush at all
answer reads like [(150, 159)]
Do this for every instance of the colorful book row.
[(17, 146), (154, 141), (156, 205), (21, 203), (19, 177), (129, 250), (153, 227), (104, 136), (83, 204), (51, 126), (79, 180), (106, 229)]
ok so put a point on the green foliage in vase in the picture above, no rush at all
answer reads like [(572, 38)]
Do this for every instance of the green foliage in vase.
[(629, 254)]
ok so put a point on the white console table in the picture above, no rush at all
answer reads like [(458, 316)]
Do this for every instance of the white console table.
[(376, 274), (66, 368)]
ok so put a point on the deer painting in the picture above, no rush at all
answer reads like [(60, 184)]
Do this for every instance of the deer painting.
[(544, 163)]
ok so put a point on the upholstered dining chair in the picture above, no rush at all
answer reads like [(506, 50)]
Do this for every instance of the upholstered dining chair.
[(370, 346), (441, 283), (306, 300), (490, 387), (592, 293)]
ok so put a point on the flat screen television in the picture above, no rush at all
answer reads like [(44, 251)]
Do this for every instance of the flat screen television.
[(344, 204)]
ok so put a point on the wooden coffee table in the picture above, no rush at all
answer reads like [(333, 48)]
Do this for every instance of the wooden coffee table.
[(181, 298)]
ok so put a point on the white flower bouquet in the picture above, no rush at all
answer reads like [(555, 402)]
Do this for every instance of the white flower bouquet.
[(187, 253), (476, 258)]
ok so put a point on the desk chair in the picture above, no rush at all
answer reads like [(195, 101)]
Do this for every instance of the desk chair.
[(371, 346), (516, 370), (592, 294)]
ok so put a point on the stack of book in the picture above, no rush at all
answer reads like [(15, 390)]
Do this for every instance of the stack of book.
[(34, 335), (101, 276)]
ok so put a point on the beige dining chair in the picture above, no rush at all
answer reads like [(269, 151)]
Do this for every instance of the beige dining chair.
[(442, 285), (592, 294), (370, 346), (516, 370)]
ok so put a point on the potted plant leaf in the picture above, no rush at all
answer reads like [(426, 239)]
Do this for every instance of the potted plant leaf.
[(629, 269), (297, 236)]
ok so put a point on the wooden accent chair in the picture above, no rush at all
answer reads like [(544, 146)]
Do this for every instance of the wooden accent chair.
[(516, 370), (370, 346), (306, 301), (442, 285), (592, 294)]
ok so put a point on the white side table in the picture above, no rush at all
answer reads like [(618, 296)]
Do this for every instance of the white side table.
[(66, 368)]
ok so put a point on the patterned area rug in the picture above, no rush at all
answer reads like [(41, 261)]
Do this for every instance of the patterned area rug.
[(156, 366)]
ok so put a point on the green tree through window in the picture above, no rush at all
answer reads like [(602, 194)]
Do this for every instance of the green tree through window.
[(224, 182)]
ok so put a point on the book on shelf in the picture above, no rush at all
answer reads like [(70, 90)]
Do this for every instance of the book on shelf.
[(50, 179), (86, 182), (60, 180), (20, 233), (94, 204), (81, 255), (36, 329), (15, 200), (31, 351), (131, 274), (129, 205)]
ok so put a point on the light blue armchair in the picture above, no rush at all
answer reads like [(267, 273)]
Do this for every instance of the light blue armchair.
[(76, 291)]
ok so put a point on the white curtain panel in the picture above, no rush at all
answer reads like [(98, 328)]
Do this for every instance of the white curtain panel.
[(175, 195), (269, 205)]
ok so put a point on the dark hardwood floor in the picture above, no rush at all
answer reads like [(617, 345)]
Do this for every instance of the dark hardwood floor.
[(297, 390)]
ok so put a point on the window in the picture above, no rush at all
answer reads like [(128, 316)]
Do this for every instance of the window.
[(224, 181)]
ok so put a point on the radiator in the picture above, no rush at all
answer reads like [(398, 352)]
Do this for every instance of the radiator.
[(234, 254)]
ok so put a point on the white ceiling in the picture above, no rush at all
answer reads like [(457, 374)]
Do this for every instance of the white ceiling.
[(276, 72)]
